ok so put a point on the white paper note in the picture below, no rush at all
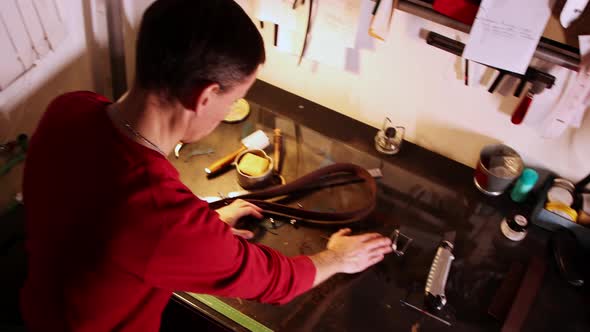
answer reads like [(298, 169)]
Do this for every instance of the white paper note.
[(569, 110), (505, 33), (280, 12), (288, 42), (382, 20), (333, 31), (584, 76), (362, 40)]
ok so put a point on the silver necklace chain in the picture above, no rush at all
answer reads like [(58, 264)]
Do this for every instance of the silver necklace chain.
[(138, 135)]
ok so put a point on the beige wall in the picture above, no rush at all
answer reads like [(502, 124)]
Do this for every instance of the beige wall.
[(69, 67)]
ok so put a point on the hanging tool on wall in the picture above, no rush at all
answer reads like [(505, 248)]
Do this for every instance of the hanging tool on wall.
[(307, 32), (278, 147), (400, 242), (497, 81), (540, 81), (461, 10)]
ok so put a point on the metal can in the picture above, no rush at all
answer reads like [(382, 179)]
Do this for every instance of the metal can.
[(498, 166), (562, 192)]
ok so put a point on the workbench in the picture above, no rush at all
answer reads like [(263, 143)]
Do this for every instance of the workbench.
[(423, 193)]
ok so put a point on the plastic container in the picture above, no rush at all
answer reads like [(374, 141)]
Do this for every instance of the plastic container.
[(551, 221), (524, 184)]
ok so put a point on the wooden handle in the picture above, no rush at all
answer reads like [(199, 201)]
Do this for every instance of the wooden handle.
[(223, 162), (522, 109), (277, 150)]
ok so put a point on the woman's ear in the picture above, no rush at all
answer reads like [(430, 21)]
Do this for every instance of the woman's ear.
[(201, 97)]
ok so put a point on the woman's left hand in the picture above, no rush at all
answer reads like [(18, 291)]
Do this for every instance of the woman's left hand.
[(231, 213)]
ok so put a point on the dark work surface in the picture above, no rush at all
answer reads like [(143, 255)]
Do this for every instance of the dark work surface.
[(423, 192), (12, 267)]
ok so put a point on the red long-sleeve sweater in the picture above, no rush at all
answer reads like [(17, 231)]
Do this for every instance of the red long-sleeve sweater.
[(112, 232)]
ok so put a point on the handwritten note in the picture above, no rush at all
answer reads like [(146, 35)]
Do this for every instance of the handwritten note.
[(333, 31), (505, 33)]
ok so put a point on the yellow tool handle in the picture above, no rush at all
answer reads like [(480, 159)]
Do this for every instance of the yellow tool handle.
[(223, 162)]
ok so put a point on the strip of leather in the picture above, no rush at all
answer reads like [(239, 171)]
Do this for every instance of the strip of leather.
[(525, 296), (505, 295), (312, 180)]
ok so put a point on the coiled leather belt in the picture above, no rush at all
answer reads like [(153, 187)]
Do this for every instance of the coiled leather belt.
[(310, 180)]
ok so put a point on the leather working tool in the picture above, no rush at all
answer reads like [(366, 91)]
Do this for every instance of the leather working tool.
[(439, 272), (304, 183), (177, 149), (256, 140)]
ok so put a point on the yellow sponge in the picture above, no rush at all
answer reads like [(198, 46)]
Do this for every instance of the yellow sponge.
[(253, 165)]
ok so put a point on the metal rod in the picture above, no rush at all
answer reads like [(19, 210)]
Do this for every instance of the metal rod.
[(425, 312)]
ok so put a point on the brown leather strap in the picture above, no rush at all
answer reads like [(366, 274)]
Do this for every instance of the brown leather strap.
[(312, 179)]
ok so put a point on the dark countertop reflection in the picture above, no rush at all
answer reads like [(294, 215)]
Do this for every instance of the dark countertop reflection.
[(423, 193)]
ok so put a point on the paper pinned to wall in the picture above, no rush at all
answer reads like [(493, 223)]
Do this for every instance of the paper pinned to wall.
[(288, 41), (505, 33), (575, 97), (584, 76), (333, 31), (280, 12), (381, 20), (363, 41)]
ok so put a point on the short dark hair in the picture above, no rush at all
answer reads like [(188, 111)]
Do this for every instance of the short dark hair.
[(184, 44)]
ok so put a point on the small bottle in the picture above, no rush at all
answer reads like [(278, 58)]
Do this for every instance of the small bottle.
[(389, 139), (524, 184)]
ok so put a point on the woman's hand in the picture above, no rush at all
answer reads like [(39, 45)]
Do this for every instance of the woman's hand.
[(231, 213), (355, 253), (347, 253)]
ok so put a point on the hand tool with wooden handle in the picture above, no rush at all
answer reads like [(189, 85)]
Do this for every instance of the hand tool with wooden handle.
[(256, 140), (277, 150)]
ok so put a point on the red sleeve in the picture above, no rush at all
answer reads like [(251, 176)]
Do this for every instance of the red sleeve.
[(197, 252)]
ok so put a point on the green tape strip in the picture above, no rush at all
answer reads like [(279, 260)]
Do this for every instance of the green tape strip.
[(4, 169), (231, 313)]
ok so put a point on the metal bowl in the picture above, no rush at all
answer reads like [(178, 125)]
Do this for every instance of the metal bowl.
[(252, 182)]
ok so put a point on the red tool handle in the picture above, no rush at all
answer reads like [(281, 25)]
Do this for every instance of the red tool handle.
[(522, 109)]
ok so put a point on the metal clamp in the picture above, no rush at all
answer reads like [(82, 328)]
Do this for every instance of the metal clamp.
[(395, 236)]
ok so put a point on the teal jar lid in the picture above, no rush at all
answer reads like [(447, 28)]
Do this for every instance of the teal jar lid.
[(529, 176)]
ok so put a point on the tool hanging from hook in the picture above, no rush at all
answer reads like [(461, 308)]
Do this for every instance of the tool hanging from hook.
[(539, 80)]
